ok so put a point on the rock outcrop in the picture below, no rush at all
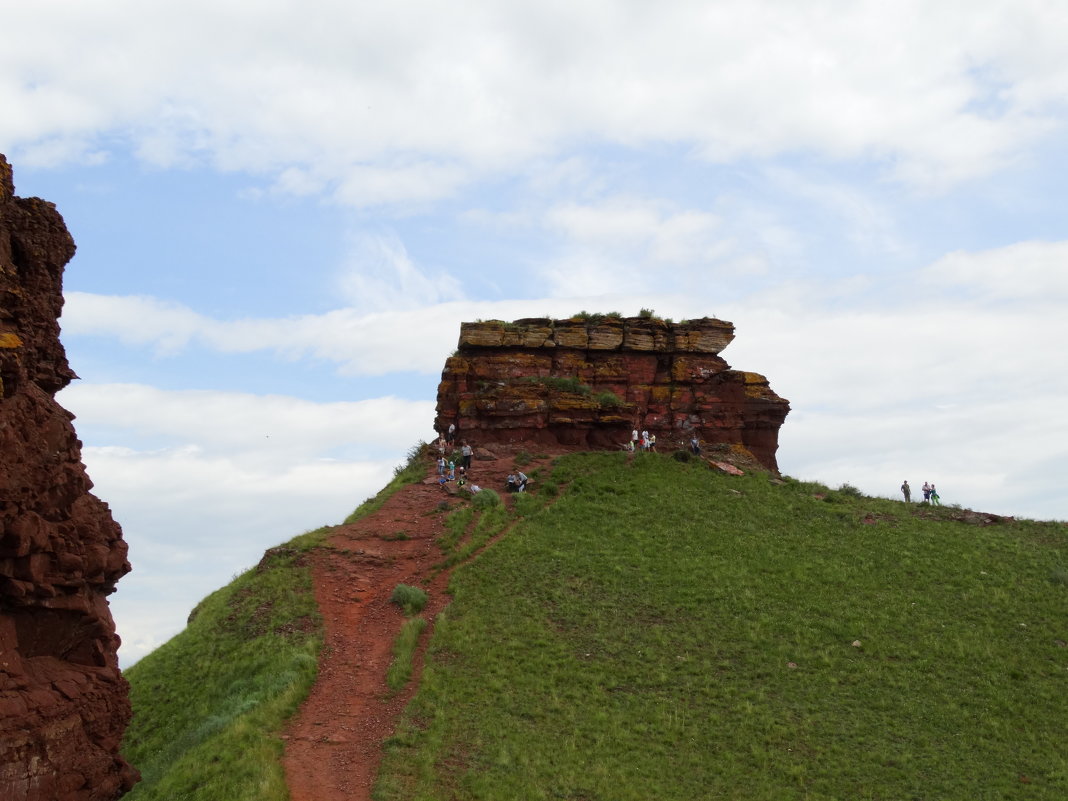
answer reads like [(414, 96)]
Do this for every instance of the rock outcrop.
[(590, 381), (63, 703)]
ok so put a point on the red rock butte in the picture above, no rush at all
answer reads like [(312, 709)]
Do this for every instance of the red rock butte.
[(589, 381), (63, 703)]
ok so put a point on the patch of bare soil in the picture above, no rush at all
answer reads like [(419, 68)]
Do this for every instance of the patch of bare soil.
[(333, 745)]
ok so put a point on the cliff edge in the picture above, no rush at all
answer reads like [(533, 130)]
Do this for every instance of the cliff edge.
[(589, 381), (63, 702)]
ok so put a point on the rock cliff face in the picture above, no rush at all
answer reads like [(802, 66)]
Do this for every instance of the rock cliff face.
[(589, 382), (63, 703)]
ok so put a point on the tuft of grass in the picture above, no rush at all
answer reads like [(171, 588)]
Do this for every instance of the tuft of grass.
[(560, 383), (486, 499), (609, 400), (410, 599), (410, 471), (400, 669), (671, 633)]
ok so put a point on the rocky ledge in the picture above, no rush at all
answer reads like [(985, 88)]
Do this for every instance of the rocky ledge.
[(63, 703), (589, 381)]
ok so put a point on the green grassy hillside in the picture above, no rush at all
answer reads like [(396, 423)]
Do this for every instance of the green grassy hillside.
[(652, 629), (662, 631)]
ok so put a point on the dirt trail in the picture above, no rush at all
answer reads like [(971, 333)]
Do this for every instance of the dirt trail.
[(333, 745)]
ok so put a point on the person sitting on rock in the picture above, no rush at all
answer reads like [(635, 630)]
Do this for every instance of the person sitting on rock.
[(521, 482)]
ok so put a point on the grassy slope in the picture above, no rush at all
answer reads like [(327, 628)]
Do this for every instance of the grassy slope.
[(635, 640), (208, 705)]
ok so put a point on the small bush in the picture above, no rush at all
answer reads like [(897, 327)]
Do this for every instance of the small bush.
[(412, 460), (682, 456), (485, 499), (523, 458), (647, 314), (609, 400), (561, 384), (851, 491), (410, 599)]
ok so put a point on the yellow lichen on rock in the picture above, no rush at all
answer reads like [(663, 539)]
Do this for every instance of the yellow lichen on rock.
[(10, 340)]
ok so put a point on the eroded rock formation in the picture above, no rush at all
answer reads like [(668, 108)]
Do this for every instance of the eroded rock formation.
[(589, 382), (63, 703)]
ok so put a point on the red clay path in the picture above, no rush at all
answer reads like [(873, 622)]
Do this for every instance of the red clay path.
[(333, 745)]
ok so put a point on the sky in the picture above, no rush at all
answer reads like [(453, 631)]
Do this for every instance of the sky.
[(284, 210)]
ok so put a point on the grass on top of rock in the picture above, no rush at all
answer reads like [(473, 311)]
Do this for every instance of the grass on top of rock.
[(662, 630)]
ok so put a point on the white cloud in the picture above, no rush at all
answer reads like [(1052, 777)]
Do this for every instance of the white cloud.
[(381, 275), (409, 100), (226, 476), (1036, 272), (269, 428)]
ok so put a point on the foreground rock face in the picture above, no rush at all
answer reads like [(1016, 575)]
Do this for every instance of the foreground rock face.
[(590, 382), (63, 703)]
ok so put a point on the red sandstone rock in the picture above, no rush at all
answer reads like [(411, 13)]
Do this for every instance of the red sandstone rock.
[(63, 703), (505, 385)]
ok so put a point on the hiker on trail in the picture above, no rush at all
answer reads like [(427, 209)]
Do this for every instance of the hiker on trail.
[(695, 445), (466, 452), (935, 500), (521, 480), (510, 482), (441, 465), (926, 492), (634, 438), (452, 470), (450, 434), (441, 445), (645, 440), (906, 491), (652, 442)]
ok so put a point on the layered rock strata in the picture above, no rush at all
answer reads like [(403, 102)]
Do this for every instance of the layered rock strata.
[(63, 703), (590, 381)]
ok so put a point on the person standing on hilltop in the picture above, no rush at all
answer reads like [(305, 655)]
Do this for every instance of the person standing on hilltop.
[(926, 492), (906, 491), (465, 452), (450, 434), (935, 500)]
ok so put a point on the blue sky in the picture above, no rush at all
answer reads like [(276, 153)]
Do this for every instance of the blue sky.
[(283, 212)]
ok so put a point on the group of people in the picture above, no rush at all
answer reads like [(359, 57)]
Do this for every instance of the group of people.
[(644, 441), (930, 493), (516, 481)]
